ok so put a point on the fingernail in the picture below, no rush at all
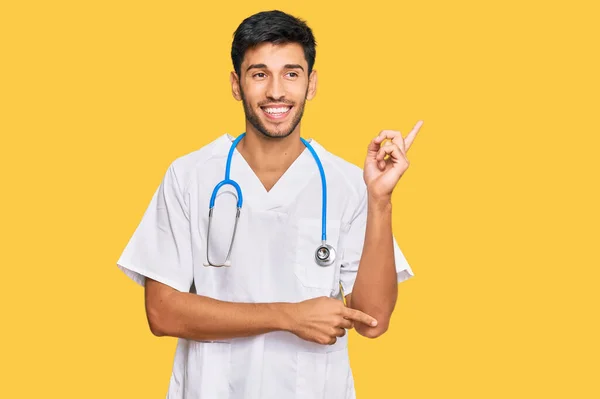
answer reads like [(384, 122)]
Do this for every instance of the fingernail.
[(374, 323)]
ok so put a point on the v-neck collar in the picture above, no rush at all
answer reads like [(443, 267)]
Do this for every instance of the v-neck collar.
[(291, 182)]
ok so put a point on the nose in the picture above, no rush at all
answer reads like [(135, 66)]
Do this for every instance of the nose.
[(275, 89)]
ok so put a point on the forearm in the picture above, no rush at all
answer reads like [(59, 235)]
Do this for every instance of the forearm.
[(197, 317), (376, 289)]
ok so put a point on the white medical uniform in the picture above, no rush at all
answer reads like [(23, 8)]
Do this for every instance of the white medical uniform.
[(272, 261)]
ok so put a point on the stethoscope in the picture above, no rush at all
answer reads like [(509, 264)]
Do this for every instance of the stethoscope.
[(325, 253)]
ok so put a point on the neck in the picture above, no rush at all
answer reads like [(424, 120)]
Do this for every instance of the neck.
[(270, 155)]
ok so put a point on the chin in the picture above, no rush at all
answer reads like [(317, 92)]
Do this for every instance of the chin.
[(277, 134), (267, 128)]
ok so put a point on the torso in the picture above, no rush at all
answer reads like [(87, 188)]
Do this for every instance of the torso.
[(272, 260)]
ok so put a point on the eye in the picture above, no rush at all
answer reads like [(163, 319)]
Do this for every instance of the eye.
[(259, 75), (293, 74)]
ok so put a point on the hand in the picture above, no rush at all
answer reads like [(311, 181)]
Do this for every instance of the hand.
[(323, 320), (381, 174)]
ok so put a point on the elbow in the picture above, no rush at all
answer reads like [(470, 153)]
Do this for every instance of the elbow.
[(372, 332), (383, 318), (157, 314), (156, 323)]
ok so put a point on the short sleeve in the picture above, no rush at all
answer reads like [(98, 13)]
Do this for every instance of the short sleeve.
[(353, 246), (160, 247)]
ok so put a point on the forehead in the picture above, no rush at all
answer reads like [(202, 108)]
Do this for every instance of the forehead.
[(275, 55)]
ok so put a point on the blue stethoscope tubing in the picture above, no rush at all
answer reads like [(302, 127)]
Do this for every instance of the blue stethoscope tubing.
[(324, 255)]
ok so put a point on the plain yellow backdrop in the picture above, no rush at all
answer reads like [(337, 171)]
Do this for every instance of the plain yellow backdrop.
[(497, 214)]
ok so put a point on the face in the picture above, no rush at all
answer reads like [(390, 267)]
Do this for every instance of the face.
[(274, 85)]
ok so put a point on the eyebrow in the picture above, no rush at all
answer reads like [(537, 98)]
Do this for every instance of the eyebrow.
[(286, 66)]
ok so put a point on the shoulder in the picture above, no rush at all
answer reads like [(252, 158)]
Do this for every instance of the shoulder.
[(343, 175), (183, 168)]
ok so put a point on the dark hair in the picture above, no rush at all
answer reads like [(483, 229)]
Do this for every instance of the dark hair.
[(274, 27)]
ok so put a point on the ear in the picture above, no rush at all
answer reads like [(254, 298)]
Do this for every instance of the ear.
[(312, 85), (235, 86)]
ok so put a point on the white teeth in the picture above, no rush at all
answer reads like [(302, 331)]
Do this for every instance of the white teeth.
[(277, 110)]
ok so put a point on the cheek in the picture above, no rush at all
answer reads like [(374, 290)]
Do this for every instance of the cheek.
[(297, 93), (254, 91)]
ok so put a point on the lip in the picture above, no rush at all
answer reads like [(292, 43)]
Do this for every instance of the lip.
[(279, 116)]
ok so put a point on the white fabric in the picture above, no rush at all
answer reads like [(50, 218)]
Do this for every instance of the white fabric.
[(272, 261)]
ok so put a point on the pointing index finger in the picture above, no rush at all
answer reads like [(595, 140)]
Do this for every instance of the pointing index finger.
[(411, 136), (359, 316)]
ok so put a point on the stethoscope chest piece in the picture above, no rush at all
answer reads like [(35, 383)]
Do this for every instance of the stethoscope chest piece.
[(325, 255)]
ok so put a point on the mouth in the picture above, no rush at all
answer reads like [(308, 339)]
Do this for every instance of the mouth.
[(276, 112)]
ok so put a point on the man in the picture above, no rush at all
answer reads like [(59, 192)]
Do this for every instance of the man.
[(262, 315)]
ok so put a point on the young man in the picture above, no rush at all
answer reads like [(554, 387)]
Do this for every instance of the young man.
[(261, 315)]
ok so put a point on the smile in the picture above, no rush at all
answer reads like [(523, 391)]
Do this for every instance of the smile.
[(276, 112)]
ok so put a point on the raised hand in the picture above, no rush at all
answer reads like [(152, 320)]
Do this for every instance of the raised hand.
[(381, 174), (323, 320)]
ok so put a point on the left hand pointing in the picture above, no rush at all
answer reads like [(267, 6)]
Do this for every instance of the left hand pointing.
[(380, 174)]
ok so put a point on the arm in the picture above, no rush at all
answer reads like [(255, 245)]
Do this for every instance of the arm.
[(376, 290), (185, 315)]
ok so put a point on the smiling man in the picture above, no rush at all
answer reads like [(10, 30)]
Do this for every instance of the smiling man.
[(250, 244)]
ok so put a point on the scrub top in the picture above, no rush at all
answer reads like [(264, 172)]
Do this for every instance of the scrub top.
[(272, 260)]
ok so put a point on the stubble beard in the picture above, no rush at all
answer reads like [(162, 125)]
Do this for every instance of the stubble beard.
[(252, 117)]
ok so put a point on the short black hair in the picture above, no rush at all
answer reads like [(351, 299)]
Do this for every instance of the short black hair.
[(274, 27)]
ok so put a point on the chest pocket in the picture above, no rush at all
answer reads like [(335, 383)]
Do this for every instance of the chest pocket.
[(307, 240)]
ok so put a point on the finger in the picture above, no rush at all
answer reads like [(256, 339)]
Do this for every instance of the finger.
[(392, 150), (359, 316), (387, 134), (380, 159), (380, 153), (346, 323), (340, 332), (384, 150), (394, 136), (383, 135), (373, 146), (397, 140), (411, 136), (333, 341)]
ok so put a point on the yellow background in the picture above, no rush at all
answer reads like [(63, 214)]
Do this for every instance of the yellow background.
[(497, 214)]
